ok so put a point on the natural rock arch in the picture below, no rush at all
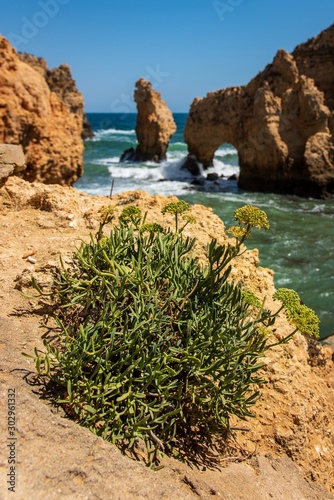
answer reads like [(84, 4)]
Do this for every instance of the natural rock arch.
[(213, 121), (280, 126)]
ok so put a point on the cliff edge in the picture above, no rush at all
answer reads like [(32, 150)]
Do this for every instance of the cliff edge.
[(285, 452)]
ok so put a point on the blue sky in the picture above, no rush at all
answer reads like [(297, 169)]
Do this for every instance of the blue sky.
[(185, 47)]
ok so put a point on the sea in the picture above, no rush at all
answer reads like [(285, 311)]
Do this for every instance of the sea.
[(299, 247)]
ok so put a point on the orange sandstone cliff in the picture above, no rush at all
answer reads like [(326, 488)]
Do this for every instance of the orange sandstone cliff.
[(47, 125), (281, 123), (61, 82)]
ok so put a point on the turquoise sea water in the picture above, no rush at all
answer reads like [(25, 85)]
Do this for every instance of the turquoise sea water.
[(299, 244)]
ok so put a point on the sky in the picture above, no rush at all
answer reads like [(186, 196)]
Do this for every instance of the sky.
[(186, 48)]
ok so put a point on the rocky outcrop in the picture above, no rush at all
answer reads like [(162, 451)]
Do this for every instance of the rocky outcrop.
[(281, 123), (12, 161), (60, 82), (315, 59), (87, 131), (36, 118), (155, 125)]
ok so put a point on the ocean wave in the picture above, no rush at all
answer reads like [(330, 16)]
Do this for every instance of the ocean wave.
[(110, 132), (150, 171), (225, 150), (116, 131), (175, 154), (172, 157), (223, 169), (183, 144), (167, 170), (134, 173), (106, 161)]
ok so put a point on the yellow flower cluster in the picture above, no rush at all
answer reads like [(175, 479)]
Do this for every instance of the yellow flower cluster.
[(252, 216), (304, 318)]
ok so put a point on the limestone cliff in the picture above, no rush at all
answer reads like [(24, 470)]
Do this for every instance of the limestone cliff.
[(155, 125), (281, 123), (61, 82), (315, 59), (35, 117)]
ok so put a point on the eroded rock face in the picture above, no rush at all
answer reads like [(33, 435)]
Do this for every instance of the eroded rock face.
[(281, 123), (12, 161), (35, 117), (315, 59), (155, 125), (61, 82)]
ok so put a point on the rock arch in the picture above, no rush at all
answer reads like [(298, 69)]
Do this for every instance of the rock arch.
[(280, 126), (213, 121)]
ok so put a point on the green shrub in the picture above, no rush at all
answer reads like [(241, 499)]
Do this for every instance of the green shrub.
[(302, 316), (153, 345)]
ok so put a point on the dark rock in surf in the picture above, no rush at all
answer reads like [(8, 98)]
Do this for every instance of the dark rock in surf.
[(212, 177), (192, 165)]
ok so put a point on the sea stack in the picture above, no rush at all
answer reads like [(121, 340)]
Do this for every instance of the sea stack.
[(155, 125), (281, 123), (45, 123)]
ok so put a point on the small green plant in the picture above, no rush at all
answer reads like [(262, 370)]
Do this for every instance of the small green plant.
[(106, 216), (302, 316), (248, 218), (152, 345), (131, 215), (179, 208)]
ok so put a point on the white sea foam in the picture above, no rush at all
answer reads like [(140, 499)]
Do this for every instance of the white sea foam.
[(149, 171), (106, 161), (115, 131), (109, 133), (178, 144), (223, 169), (317, 209), (134, 173), (172, 170), (167, 177), (226, 150)]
